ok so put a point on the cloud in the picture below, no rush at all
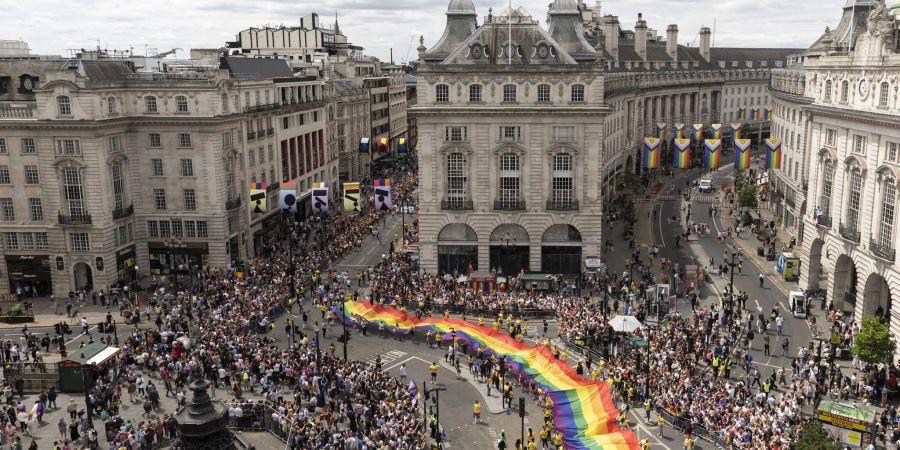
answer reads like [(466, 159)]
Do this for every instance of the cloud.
[(53, 26)]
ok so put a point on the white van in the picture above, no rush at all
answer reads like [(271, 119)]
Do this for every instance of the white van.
[(706, 186)]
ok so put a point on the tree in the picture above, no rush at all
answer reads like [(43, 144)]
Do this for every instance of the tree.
[(813, 437), (874, 343), (738, 180), (747, 197)]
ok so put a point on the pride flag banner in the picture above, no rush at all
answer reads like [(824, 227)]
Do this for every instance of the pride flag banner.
[(698, 132), (661, 131), (351, 197), (320, 197), (736, 129), (382, 190), (583, 410), (679, 130), (713, 153), (651, 153), (765, 114), (287, 196), (717, 130), (364, 146), (682, 153), (742, 154), (773, 156), (257, 201)]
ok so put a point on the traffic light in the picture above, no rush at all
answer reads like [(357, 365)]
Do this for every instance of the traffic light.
[(521, 406), (425, 390)]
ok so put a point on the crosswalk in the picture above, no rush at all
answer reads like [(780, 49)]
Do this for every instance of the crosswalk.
[(703, 198), (387, 358)]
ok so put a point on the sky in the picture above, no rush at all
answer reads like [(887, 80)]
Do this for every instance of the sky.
[(55, 26)]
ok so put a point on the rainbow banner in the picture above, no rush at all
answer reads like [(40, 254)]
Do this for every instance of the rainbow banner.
[(661, 131), (754, 113), (651, 153), (773, 156), (736, 129), (713, 154), (682, 153), (583, 410), (257, 201), (698, 132), (679, 131), (717, 130), (742, 154)]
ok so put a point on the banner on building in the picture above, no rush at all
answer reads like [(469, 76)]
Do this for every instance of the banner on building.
[(320, 197), (754, 113), (257, 198), (766, 114), (661, 131), (773, 156), (287, 197), (401, 146), (742, 154), (682, 153), (351, 197), (698, 132), (716, 130), (713, 153), (651, 153), (382, 190), (736, 129), (742, 113), (364, 146), (679, 131)]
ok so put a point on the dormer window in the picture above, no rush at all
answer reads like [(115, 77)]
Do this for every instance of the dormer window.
[(442, 93), (64, 105), (111, 105)]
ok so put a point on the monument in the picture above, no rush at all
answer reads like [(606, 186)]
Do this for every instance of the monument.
[(201, 425)]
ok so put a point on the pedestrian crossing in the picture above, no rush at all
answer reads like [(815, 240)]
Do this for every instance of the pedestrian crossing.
[(387, 358), (703, 198)]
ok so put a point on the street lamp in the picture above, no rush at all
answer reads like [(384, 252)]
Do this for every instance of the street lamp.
[(172, 244), (509, 244)]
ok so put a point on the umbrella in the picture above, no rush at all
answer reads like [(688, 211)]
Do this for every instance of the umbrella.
[(624, 324)]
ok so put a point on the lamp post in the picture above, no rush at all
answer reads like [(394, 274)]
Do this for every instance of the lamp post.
[(171, 245), (509, 245), (437, 412), (87, 391)]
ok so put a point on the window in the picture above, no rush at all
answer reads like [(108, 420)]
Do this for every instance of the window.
[(271, 153), (543, 93), (227, 138), (68, 147), (64, 105), (563, 134), (859, 144), (828, 88), (830, 137), (854, 198), (184, 140), (41, 242), (12, 241), (150, 104), (510, 134), (456, 134), (190, 229), (118, 185), (156, 167), (177, 229), (475, 93), (187, 167), (562, 183), (892, 150), (190, 200), (7, 210), (2, 145), (181, 104), (159, 199), (888, 200), (27, 241), (73, 193), (165, 229), (509, 93), (509, 180), (442, 93), (202, 229), (4, 175), (111, 105), (252, 156), (456, 179), (154, 140), (80, 242), (152, 229), (845, 91), (37, 209), (31, 175), (578, 93), (28, 145), (262, 155), (883, 95)]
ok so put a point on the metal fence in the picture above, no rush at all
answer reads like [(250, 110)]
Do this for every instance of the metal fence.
[(682, 423)]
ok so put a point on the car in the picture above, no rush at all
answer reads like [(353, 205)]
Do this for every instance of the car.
[(706, 186)]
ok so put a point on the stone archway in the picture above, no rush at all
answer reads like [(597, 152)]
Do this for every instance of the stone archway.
[(457, 249), (510, 249), (561, 250), (844, 293), (815, 273), (877, 297), (83, 274)]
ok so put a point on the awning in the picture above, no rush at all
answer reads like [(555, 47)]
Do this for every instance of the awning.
[(103, 356)]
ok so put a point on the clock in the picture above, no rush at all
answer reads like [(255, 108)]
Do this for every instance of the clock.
[(863, 89), (28, 84)]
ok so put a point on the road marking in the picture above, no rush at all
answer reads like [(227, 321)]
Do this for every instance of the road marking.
[(387, 358), (404, 362), (662, 236), (758, 306), (80, 335)]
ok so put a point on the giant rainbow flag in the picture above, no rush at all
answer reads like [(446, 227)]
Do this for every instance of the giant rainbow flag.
[(773, 157), (583, 411), (713, 154), (742, 154), (682, 153)]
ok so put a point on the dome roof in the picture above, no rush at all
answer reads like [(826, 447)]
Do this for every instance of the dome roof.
[(566, 7), (461, 7)]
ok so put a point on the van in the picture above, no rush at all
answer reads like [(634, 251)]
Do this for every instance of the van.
[(706, 186)]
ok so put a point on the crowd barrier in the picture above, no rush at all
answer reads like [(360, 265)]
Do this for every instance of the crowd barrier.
[(475, 312)]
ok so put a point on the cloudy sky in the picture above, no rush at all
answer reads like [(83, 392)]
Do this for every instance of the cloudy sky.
[(53, 26)]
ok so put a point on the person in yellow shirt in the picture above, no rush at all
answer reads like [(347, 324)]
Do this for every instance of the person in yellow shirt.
[(688, 443), (481, 320), (476, 412), (434, 369), (594, 374), (446, 313), (497, 325), (557, 439), (661, 424), (645, 444)]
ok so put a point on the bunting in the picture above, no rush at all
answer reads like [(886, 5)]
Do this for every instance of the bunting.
[(717, 130), (698, 132), (773, 156), (742, 154), (713, 153), (320, 197), (651, 153), (682, 153), (351, 197), (257, 202), (287, 197), (736, 128), (661, 131), (383, 194), (679, 131), (364, 146)]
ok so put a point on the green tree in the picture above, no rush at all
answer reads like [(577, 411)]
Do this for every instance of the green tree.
[(874, 343), (631, 184), (738, 180), (747, 197), (813, 437)]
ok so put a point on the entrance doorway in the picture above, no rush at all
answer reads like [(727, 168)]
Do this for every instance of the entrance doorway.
[(877, 298), (84, 278), (457, 249), (561, 250), (844, 296), (510, 250)]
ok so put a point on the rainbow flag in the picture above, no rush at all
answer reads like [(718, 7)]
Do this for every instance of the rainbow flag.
[(742, 154), (651, 153), (765, 113), (661, 131), (583, 410), (698, 132), (717, 130), (754, 113), (742, 113), (679, 130), (682, 153), (713, 153), (736, 128), (773, 158)]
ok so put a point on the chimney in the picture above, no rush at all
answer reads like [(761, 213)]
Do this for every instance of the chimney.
[(640, 37), (705, 35), (672, 42), (611, 34)]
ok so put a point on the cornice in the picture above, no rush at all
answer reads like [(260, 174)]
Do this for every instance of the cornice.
[(871, 118)]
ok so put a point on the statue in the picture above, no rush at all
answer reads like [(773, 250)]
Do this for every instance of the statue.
[(879, 23)]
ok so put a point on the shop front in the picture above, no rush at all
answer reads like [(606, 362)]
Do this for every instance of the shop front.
[(178, 258), (125, 262), (31, 273)]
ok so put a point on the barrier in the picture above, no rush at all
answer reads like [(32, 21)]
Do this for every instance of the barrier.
[(474, 312)]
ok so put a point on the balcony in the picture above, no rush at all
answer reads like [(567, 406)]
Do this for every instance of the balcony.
[(76, 219), (849, 233), (17, 111), (123, 213), (455, 204), (261, 108), (251, 135), (233, 203), (882, 251), (824, 221), (562, 205), (509, 205), (270, 131)]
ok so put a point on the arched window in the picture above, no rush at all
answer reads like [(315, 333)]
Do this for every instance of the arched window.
[(853, 200), (442, 93), (845, 91), (828, 87), (883, 95), (562, 182), (64, 105), (181, 104), (73, 194), (111, 105), (543, 93), (118, 185), (888, 200), (510, 182), (150, 104), (475, 93), (509, 93), (578, 93), (457, 179)]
